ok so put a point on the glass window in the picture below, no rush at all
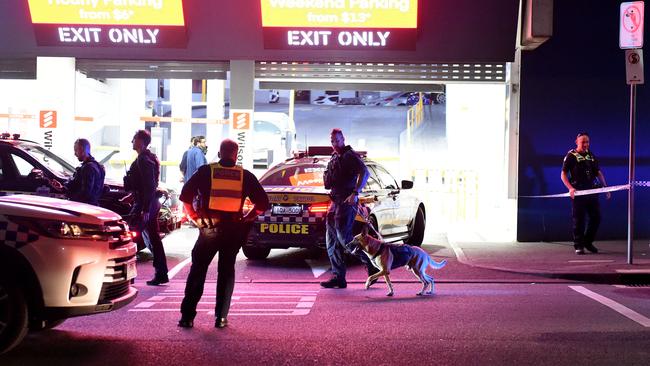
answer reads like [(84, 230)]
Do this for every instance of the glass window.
[(24, 167), (295, 175), (387, 180), (54, 163), (373, 183)]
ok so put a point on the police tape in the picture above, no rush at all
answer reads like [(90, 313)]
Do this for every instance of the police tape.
[(623, 187)]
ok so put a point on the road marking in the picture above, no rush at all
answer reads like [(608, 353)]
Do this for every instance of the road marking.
[(633, 270), (177, 268), (317, 268), (621, 309), (261, 303), (591, 261), (460, 255)]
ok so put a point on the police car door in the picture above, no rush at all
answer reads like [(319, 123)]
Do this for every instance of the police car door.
[(393, 192), (385, 207)]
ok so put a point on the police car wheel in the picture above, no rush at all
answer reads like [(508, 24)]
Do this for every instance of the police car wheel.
[(417, 232), (256, 253), (13, 314)]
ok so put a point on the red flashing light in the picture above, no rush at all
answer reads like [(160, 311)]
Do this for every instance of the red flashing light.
[(319, 207), (134, 234)]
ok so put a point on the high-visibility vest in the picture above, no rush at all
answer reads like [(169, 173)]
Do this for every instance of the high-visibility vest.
[(226, 188)]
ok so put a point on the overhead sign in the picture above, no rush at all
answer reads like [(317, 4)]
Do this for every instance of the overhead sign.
[(340, 13), (133, 23), (340, 24), (631, 29), (634, 66)]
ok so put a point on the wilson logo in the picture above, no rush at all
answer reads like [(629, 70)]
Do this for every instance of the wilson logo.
[(241, 121), (48, 119)]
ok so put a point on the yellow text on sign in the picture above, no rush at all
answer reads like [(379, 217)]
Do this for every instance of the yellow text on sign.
[(340, 13), (301, 229), (108, 12)]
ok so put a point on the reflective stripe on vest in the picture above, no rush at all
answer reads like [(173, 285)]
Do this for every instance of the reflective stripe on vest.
[(580, 158), (226, 188)]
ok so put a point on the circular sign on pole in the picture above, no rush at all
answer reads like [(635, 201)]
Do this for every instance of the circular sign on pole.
[(631, 27)]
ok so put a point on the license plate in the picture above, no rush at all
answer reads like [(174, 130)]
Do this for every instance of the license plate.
[(287, 210), (131, 270)]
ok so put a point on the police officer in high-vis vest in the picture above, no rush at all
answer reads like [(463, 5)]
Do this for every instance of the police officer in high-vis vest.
[(221, 189), (580, 171)]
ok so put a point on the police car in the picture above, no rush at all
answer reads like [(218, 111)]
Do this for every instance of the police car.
[(60, 259), (299, 203), (26, 167)]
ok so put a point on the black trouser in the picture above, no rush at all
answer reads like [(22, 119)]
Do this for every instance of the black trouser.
[(585, 206), (152, 241), (226, 239)]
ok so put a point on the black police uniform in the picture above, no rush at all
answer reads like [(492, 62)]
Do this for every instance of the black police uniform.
[(87, 183), (582, 170), (226, 238), (341, 178), (142, 180)]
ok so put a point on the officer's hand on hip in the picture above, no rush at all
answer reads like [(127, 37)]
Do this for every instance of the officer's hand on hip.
[(352, 199), (572, 193)]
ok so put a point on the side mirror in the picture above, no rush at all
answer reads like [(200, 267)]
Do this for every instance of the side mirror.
[(407, 184), (36, 174)]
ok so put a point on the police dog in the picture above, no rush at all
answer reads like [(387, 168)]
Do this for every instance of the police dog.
[(382, 257)]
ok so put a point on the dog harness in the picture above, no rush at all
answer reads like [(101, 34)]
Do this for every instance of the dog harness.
[(401, 254)]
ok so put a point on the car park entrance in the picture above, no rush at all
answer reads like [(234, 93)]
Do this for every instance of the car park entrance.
[(450, 127)]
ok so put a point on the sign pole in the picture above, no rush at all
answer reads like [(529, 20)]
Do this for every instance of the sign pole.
[(630, 192)]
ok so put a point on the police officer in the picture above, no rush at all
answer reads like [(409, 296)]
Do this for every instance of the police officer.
[(222, 188), (580, 171), (142, 180), (87, 183), (345, 176)]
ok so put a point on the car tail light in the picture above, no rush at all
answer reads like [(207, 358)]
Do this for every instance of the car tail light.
[(319, 207), (248, 206)]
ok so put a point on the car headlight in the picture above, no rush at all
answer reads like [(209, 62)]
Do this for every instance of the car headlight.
[(65, 230), (69, 230)]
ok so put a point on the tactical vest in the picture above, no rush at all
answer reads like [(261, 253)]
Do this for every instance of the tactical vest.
[(226, 188)]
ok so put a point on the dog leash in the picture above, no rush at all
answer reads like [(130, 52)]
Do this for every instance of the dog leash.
[(366, 222)]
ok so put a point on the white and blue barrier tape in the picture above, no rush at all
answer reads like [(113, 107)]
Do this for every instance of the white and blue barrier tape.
[(623, 187)]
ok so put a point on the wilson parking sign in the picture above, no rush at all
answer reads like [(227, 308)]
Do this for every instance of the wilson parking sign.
[(631, 29)]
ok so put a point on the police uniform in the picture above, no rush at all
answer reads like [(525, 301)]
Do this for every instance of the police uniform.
[(341, 178), (87, 183), (221, 189), (582, 170)]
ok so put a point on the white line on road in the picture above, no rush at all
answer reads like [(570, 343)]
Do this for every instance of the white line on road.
[(633, 270), (591, 261), (460, 255), (621, 309), (317, 268), (177, 268)]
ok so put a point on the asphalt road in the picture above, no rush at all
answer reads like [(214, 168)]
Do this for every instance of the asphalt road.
[(280, 315)]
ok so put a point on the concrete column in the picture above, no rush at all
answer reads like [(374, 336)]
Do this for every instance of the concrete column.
[(216, 110), (242, 104), (128, 96), (181, 101), (55, 92)]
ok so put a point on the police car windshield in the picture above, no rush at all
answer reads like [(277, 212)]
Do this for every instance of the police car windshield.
[(55, 164), (303, 175)]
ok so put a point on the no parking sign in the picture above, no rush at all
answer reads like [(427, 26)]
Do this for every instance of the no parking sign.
[(631, 30)]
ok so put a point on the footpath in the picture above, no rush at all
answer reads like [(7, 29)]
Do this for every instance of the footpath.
[(557, 260)]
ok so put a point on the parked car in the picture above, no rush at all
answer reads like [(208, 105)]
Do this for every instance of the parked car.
[(60, 259), (273, 138), (29, 168), (327, 100), (299, 203)]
